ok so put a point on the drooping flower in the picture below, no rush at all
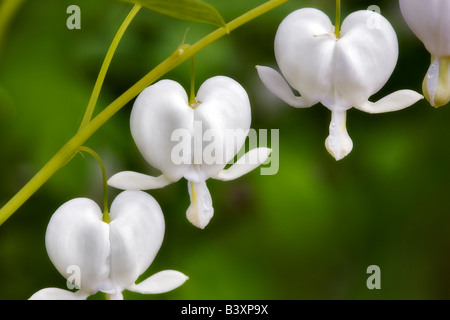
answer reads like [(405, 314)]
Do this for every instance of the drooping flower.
[(340, 73), (108, 257), (430, 22), (195, 141)]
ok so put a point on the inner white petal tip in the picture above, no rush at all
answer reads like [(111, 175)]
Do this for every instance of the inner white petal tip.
[(339, 144), (199, 218), (201, 210), (338, 149)]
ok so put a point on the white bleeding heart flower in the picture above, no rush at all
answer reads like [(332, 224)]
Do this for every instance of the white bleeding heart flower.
[(192, 141), (430, 22), (109, 257), (340, 73)]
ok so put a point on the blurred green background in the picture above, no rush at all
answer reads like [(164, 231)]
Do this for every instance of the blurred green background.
[(308, 232)]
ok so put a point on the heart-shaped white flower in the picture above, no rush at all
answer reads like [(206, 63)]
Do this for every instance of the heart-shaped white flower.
[(430, 22), (109, 257), (192, 141), (340, 73)]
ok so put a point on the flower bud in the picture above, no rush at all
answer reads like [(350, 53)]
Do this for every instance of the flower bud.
[(430, 22), (436, 85)]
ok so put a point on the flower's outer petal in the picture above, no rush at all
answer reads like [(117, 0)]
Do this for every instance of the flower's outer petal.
[(338, 143), (136, 233), (78, 240), (249, 161), (200, 210), (160, 282), (395, 101), (130, 180), (304, 50), (430, 22), (223, 111), (161, 115), (365, 57), (275, 82), (59, 294)]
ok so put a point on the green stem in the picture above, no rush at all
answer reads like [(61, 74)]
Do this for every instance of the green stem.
[(104, 179), (192, 91), (337, 23), (104, 68), (175, 59)]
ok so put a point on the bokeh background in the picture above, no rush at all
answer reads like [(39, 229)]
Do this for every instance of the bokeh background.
[(308, 232)]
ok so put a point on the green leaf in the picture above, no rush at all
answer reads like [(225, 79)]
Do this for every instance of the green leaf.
[(191, 10)]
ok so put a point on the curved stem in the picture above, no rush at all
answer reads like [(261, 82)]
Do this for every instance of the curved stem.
[(71, 147), (104, 180), (104, 68)]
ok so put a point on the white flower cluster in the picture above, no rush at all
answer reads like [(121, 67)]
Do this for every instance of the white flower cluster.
[(339, 70)]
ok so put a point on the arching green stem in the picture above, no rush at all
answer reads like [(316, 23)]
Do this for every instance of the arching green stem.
[(337, 22), (104, 68), (104, 180)]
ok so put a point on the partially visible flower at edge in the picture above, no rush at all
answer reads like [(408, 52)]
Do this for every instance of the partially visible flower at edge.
[(340, 73), (430, 22), (109, 257)]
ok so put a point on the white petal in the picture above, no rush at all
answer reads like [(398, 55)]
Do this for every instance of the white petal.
[(338, 143), (249, 161), (160, 282), (117, 295), (365, 57), (78, 239), (304, 50), (275, 82), (130, 180), (430, 22), (58, 294), (200, 210), (136, 233), (395, 101), (159, 112), (223, 112)]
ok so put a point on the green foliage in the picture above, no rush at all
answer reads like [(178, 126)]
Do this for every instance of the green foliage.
[(191, 10)]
